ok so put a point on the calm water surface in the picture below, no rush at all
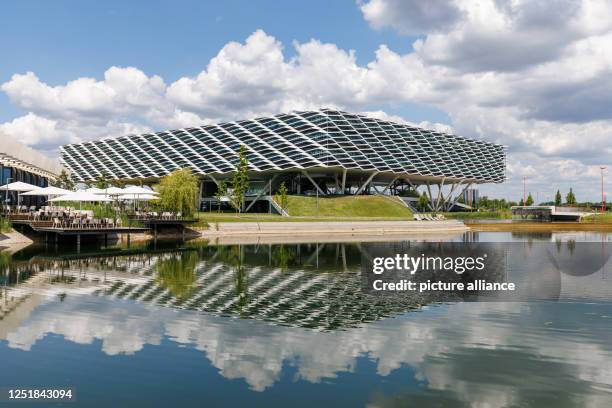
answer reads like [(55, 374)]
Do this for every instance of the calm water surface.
[(264, 325)]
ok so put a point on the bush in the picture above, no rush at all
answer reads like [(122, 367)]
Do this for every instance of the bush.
[(5, 225)]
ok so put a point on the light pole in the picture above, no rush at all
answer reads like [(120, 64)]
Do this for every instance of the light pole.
[(603, 202), (524, 191)]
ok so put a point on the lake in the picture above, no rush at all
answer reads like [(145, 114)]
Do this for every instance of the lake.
[(276, 325)]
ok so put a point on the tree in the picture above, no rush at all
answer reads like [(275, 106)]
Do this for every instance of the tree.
[(102, 181), (570, 198), (281, 197), (120, 183), (63, 181), (240, 181), (221, 193), (529, 200), (558, 198), (521, 203), (423, 202), (178, 192)]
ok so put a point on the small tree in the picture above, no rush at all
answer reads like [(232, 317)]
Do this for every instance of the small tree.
[(120, 183), (558, 198), (221, 193), (240, 182), (281, 197), (102, 181), (521, 202), (178, 192), (529, 200), (63, 181), (423, 202), (570, 198)]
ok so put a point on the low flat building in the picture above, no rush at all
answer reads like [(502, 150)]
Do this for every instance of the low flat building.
[(313, 152), (19, 162)]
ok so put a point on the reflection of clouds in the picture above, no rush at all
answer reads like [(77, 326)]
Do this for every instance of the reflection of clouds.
[(446, 346)]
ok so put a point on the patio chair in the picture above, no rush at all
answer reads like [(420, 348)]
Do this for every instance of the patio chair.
[(57, 223), (76, 223)]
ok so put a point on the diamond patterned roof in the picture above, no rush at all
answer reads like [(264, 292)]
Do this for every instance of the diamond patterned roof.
[(293, 141)]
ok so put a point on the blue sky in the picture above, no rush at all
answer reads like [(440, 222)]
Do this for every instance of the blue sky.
[(529, 75), (63, 40)]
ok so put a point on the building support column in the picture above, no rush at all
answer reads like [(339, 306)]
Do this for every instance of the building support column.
[(460, 194), (313, 182), (343, 181), (390, 184), (200, 195), (440, 196), (262, 192), (430, 197), (365, 184)]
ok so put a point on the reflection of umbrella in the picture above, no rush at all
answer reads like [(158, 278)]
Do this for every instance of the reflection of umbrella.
[(47, 191), (19, 187)]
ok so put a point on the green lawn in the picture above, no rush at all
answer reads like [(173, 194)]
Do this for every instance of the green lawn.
[(304, 209), (479, 215), (605, 218), (355, 206)]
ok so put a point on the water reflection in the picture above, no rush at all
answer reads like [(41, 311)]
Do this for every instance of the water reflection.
[(300, 308)]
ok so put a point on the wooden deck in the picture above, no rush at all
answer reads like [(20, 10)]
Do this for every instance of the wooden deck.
[(47, 226)]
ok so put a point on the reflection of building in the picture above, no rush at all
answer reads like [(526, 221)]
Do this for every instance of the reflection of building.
[(21, 163), (324, 152)]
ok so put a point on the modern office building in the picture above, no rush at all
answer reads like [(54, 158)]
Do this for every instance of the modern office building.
[(313, 152), (22, 163)]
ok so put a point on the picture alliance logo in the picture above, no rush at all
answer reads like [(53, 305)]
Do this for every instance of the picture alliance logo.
[(414, 264)]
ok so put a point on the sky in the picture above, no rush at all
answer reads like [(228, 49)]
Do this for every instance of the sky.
[(534, 76)]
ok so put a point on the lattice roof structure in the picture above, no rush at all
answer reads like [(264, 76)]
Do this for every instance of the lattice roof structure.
[(319, 140)]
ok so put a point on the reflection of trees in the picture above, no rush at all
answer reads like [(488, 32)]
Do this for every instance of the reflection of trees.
[(241, 278), (282, 256), (233, 257), (177, 274)]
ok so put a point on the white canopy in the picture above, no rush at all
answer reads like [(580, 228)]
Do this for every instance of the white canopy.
[(140, 197), (81, 196), (18, 186), (95, 190), (114, 191), (47, 191), (139, 190)]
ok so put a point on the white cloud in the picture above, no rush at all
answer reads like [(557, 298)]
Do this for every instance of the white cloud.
[(506, 71)]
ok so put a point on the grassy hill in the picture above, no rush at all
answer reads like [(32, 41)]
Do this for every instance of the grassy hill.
[(350, 206)]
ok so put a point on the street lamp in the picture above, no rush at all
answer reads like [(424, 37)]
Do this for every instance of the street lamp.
[(603, 202)]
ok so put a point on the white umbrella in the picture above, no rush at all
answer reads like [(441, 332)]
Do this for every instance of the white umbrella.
[(114, 191), (95, 190), (47, 191), (138, 190), (143, 197), (19, 187), (81, 196)]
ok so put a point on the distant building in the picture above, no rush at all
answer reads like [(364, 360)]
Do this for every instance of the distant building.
[(19, 162), (470, 196)]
